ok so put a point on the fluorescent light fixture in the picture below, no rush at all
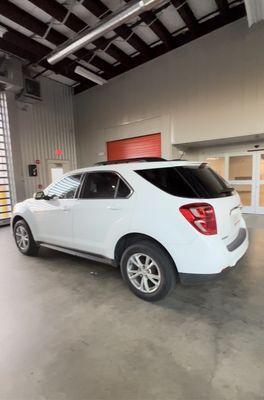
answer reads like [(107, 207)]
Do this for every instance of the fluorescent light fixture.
[(107, 25), (89, 75), (3, 30)]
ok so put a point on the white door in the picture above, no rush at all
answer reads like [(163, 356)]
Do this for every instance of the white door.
[(245, 171), (54, 215), (259, 191), (56, 168), (102, 213), (241, 173)]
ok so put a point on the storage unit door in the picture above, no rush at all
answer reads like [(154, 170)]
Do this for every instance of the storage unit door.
[(142, 146)]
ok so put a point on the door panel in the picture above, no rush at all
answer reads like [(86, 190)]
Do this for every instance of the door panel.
[(54, 221), (103, 212), (142, 146), (54, 216), (96, 223)]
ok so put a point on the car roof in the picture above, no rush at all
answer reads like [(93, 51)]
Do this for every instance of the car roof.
[(133, 166)]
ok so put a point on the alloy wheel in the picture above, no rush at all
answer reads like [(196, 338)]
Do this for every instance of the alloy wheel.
[(143, 272), (22, 238)]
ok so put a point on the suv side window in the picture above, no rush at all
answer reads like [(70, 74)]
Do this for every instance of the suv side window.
[(123, 190), (104, 185), (66, 187)]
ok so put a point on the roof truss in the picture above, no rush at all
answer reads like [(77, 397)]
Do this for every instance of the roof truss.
[(120, 60)]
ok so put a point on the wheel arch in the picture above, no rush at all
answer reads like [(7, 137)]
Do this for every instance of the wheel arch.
[(132, 238), (17, 218)]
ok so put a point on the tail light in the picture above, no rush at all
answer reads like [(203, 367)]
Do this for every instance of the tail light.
[(201, 216)]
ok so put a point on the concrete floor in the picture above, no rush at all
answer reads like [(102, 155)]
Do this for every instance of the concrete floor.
[(70, 329)]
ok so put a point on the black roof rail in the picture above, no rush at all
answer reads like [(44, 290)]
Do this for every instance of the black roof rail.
[(131, 160)]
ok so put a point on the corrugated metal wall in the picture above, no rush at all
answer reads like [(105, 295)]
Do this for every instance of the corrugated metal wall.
[(44, 127)]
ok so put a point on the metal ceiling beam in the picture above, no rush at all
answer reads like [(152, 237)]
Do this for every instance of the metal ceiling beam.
[(185, 37), (22, 46), (22, 18), (222, 6), (99, 9), (18, 51), (186, 13), (156, 26), (59, 12), (19, 16)]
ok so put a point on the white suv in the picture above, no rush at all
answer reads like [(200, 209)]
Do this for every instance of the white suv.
[(160, 221)]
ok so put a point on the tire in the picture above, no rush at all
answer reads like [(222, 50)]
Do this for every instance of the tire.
[(27, 246), (157, 279)]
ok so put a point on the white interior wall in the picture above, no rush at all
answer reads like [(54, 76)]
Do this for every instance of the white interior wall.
[(202, 153), (37, 130), (209, 89)]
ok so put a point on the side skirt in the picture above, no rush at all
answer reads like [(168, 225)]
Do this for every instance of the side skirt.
[(83, 254)]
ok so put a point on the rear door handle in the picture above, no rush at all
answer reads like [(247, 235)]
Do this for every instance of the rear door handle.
[(113, 208)]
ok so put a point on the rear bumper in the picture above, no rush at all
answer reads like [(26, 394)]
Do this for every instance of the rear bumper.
[(207, 258), (197, 279)]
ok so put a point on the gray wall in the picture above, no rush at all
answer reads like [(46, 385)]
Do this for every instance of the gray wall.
[(36, 132), (209, 89)]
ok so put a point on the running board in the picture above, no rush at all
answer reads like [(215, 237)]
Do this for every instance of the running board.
[(83, 254)]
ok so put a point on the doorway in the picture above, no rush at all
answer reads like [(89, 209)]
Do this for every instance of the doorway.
[(56, 168), (245, 172)]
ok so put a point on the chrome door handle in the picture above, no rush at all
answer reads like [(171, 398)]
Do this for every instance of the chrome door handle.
[(113, 208)]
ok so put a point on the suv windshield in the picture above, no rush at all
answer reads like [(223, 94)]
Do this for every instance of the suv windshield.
[(188, 181)]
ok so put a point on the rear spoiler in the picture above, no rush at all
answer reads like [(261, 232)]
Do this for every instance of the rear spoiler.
[(203, 164)]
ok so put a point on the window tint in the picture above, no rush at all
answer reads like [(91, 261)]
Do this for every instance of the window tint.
[(123, 190), (188, 181), (100, 185), (104, 185), (66, 187)]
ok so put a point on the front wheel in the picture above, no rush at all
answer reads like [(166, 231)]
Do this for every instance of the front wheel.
[(148, 271), (24, 239)]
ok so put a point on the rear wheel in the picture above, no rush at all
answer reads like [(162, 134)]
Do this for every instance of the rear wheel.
[(24, 239), (148, 271)]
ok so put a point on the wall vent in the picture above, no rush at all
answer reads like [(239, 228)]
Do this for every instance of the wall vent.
[(31, 92)]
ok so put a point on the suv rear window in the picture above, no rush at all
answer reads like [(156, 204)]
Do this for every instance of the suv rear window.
[(188, 181)]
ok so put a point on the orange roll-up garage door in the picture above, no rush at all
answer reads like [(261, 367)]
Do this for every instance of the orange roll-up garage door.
[(142, 146)]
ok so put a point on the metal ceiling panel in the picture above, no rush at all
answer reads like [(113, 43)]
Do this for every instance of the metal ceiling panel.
[(59, 78), (145, 33), (82, 12), (32, 10), (106, 57), (114, 5), (123, 45), (202, 8), (171, 19)]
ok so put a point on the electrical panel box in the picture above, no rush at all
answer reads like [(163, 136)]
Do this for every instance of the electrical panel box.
[(32, 170)]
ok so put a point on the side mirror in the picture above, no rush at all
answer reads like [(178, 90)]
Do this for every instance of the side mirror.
[(39, 195)]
